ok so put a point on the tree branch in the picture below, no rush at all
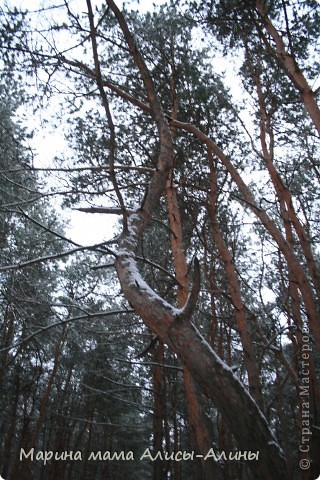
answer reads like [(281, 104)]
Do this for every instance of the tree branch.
[(88, 316)]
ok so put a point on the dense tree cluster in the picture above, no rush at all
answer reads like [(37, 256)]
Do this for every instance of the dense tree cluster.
[(195, 328)]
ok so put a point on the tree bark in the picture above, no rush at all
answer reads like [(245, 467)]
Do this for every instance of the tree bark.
[(214, 377), (159, 412), (201, 433), (173, 326), (288, 63), (46, 396), (307, 293), (250, 360)]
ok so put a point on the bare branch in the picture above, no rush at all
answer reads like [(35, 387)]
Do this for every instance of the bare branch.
[(88, 316), (106, 106), (187, 310), (111, 210)]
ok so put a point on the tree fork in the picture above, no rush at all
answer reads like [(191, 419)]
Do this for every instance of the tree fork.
[(213, 376)]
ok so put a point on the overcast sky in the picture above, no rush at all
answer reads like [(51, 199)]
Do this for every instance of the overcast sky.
[(85, 228)]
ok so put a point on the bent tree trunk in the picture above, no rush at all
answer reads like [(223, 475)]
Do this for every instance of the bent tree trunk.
[(173, 326)]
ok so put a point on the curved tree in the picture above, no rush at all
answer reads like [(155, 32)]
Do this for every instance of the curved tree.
[(168, 151)]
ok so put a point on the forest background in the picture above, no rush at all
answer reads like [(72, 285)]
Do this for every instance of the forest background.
[(193, 323)]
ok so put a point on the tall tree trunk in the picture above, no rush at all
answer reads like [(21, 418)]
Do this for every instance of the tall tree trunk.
[(159, 412), (7, 455), (8, 332), (250, 361), (301, 278), (46, 396), (288, 63), (201, 433), (176, 436), (173, 326)]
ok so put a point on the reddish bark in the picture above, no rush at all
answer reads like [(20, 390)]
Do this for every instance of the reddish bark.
[(213, 376), (288, 63), (297, 269), (201, 434), (250, 361), (284, 196), (159, 411), (173, 326), (46, 396)]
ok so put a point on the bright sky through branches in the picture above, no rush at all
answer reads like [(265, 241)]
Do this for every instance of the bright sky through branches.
[(49, 140)]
